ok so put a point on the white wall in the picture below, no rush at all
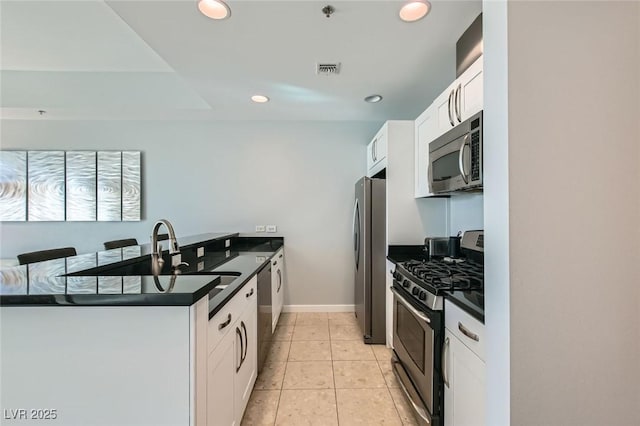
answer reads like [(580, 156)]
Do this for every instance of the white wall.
[(573, 213), (222, 176)]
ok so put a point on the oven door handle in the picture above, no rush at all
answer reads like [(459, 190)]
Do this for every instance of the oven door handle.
[(411, 309)]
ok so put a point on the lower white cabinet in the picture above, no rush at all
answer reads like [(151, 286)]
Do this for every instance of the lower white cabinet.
[(277, 287), (220, 380), (233, 362), (464, 370), (247, 363)]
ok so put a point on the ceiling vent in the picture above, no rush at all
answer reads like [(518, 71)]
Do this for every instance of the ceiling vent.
[(328, 68)]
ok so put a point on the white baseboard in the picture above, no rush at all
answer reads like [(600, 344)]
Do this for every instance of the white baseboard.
[(318, 308)]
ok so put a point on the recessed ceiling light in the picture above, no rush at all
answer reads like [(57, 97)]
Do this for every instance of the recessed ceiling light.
[(260, 99), (414, 10), (372, 99), (214, 9)]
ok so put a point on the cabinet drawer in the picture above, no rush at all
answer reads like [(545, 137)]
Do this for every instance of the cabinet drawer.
[(469, 330), (223, 321)]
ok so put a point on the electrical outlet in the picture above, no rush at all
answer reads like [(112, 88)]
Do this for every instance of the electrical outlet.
[(200, 251), (259, 228), (227, 243), (200, 266), (260, 259), (271, 228), (227, 253)]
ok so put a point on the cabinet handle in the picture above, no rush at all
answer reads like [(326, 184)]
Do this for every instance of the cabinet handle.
[(458, 103), (445, 353), (246, 342), (275, 262), (373, 146), (226, 323), (239, 333), (279, 281), (375, 150), (249, 294), (471, 335), (449, 108), (280, 256)]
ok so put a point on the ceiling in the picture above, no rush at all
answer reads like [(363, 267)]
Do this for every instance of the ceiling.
[(159, 59)]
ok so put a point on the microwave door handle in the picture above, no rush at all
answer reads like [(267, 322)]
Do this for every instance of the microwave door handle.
[(461, 159)]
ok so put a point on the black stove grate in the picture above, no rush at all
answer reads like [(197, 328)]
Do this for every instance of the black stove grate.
[(443, 275)]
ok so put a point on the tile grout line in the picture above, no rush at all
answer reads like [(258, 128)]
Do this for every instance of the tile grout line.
[(333, 374), (285, 372)]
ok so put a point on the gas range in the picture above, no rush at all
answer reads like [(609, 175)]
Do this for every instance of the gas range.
[(427, 280)]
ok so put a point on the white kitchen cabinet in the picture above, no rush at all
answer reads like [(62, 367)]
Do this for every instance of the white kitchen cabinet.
[(233, 361), (277, 287), (464, 370), (460, 100), (377, 152), (220, 379), (470, 87), (425, 130), (247, 369)]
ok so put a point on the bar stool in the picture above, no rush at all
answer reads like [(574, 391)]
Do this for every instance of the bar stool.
[(42, 255)]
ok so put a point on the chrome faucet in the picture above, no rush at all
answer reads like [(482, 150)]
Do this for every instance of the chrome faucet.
[(174, 250)]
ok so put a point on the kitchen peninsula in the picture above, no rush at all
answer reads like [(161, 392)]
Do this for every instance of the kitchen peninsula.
[(97, 339)]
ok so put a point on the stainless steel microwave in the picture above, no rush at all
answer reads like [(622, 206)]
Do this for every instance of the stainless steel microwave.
[(455, 158)]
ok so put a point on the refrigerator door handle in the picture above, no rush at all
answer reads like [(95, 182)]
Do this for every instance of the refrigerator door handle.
[(356, 232)]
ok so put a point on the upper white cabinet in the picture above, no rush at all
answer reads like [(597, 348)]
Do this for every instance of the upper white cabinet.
[(462, 99), (463, 369), (470, 91), (426, 127), (377, 152), (277, 287)]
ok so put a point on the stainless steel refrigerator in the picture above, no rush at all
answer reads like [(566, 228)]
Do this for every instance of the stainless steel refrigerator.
[(369, 249)]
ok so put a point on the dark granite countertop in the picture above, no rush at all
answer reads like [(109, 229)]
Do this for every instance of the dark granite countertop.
[(118, 277)]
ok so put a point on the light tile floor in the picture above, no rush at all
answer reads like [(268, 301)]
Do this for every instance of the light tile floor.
[(319, 372)]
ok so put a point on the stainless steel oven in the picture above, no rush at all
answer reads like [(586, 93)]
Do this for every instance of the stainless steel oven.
[(455, 158), (417, 343)]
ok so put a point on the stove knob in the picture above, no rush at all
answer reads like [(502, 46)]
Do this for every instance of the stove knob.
[(423, 295), (406, 283), (415, 291)]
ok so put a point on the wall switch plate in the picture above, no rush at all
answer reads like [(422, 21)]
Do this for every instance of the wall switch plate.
[(227, 253), (227, 243), (200, 266), (200, 251), (259, 228), (271, 228)]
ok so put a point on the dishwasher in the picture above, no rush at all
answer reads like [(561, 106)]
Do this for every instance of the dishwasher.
[(264, 314)]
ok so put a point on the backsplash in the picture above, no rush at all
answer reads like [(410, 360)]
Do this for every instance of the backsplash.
[(465, 212)]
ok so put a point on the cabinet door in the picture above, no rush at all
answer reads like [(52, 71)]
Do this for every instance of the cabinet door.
[(425, 130), (444, 111), (245, 375), (220, 377), (464, 396), (470, 98), (377, 152)]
